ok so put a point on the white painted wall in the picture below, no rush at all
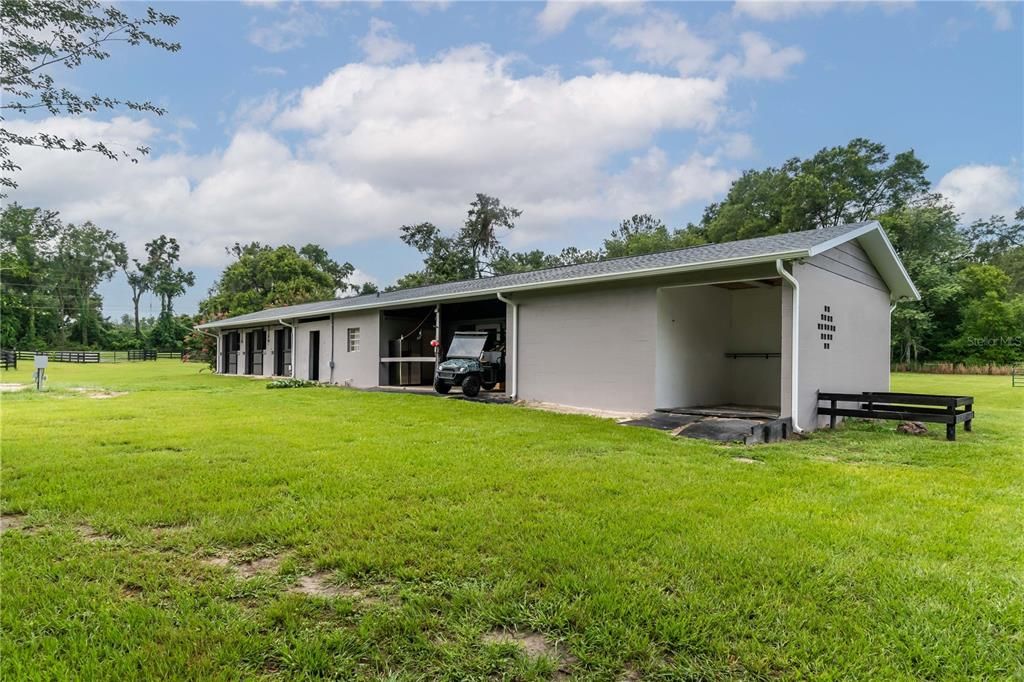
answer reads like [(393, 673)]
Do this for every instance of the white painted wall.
[(697, 326), (589, 347), (693, 330), (358, 368), (300, 349), (858, 357), (755, 327)]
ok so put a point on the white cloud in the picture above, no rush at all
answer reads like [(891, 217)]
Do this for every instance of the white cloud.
[(288, 32), (558, 14), (382, 46), (373, 147), (428, 6), (599, 65), (1002, 17), (761, 59), (737, 146), (361, 277), (269, 71), (662, 39), (770, 10), (980, 191)]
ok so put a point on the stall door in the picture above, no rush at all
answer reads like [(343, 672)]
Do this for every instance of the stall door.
[(314, 356), (232, 344), (283, 352), (255, 345)]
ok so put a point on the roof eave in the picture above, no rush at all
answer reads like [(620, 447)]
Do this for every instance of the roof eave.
[(881, 251), (569, 281)]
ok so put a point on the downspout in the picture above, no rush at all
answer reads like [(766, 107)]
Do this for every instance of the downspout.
[(332, 348), (795, 344), (514, 383), (292, 328)]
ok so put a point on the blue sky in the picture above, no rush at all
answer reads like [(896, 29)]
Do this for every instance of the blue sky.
[(337, 123)]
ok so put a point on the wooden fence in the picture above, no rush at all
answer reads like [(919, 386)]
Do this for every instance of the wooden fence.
[(94, 356)]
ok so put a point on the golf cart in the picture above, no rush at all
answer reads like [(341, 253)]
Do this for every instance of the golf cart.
[(473, 361)]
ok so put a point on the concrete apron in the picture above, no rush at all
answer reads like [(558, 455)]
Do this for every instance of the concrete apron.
[(720, 429)]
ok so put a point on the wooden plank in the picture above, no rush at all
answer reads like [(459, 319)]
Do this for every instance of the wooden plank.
[(410, 359), (907, 408), (908, 398), (947, 418)]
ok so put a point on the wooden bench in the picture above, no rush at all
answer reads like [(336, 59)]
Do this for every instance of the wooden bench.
[(940, 409)]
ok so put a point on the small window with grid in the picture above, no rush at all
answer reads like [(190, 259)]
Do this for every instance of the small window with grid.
[(353, 339)]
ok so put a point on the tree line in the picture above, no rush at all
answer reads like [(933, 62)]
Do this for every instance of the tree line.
[(50, 273), (971, 276)]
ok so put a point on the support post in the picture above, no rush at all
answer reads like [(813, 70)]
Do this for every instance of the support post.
[(970, 408), (832, 416)]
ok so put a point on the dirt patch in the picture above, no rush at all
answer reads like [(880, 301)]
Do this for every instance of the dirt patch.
[(248, 568), (318, 585), (11, 522), (90, 534), (165, 530), (12, 388), (630, 674), (131, 591), (747, 460), (535, 645), (97, 393)]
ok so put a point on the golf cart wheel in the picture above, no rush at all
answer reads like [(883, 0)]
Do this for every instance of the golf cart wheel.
[(489, 386), (471, 386), (442, 386)]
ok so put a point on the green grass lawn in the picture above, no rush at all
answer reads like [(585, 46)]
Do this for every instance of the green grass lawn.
[(430, 527)]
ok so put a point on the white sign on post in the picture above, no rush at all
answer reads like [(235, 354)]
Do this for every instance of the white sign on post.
[(41, 362)]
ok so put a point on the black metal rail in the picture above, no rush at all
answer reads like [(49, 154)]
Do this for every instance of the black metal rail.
[(940, 409)]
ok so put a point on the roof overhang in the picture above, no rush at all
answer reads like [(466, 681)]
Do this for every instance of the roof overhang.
[(272, 316), (879, 249), (871, 237)]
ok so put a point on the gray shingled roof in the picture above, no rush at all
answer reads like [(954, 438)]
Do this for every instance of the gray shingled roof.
[(790, 245)]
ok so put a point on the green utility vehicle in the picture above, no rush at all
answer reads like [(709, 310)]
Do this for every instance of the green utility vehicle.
[(474, 360)]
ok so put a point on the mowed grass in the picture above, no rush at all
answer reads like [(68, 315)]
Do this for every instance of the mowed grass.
[(858, 553)]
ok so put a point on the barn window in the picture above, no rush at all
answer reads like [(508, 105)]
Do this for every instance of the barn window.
[(353, 339)]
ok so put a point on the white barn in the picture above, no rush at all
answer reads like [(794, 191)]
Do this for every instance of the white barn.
[(763, 322)]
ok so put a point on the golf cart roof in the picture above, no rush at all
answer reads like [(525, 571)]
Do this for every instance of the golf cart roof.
[(467, 345)]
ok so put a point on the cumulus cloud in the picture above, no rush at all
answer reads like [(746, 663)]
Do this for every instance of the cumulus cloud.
[(289, 31), (558, 14), (663, 39), (1002, 17), (382, 45), (372, 147), (761, 59), (770, 10), (981, 191)]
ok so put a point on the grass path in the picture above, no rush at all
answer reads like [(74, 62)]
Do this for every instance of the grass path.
[(204, 527)]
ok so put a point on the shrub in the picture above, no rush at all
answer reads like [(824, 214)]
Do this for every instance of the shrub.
[(292, 383)]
